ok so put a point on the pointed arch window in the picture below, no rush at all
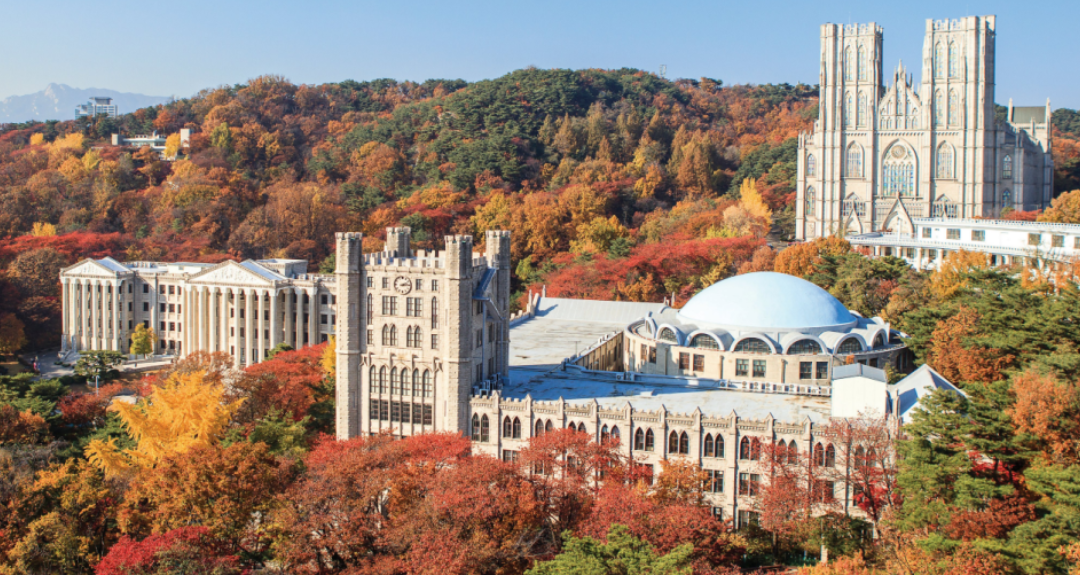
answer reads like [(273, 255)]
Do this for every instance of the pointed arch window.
[(898, 172), (1006, 199), (416, 389), (1006, 168), (853, 161), (539, 428), (939, 109), (848, 68), (516, 429), (810, 199), (830, 456), (484, 429), (395, 389), (405, 382), (819, 454), (508, 427), (673, 442), (945, 161), (811, 166), (605, 435), (429, 388), (684, 444), (382, 379), (708, 446), (719, 447), (954, 61), (862, 63), (792, 453), (476, 427), (863, 111), (849, 112), (386, 335), (744, 448), (639, 440), (547, 426), (615, 435), (954, 108), (939, 61), (650, 440)]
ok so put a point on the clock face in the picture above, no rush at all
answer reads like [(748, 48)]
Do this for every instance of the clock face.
[(403, 285)]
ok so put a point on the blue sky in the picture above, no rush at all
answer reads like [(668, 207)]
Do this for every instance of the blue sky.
[(178, 48)]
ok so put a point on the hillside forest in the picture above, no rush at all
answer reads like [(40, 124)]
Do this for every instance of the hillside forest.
[(615, 185)]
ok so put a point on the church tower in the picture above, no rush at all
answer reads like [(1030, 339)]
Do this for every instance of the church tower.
[(958, 89)]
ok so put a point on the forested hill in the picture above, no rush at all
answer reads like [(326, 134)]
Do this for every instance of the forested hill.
[(615, 183)]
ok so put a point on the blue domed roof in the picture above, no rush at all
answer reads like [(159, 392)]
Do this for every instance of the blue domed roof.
[(766, 301)]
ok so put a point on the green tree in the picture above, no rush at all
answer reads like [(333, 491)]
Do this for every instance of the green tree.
[(221, 137), (1037, 545), (278, 349), (95, 364), (622, 554), (142, 341)]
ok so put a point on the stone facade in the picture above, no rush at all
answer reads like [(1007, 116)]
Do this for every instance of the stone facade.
[(244, 309), (880, 155)]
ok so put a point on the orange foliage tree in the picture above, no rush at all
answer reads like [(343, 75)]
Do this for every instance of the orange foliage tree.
[(956, 358)]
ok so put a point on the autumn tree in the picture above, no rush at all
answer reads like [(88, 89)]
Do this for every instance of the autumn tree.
[(142, 341), (1048, 410), (185, 412), (37, 272), (957, 358), (183, 551), (954, 270), (799, 260), (1064, 209), (12, 334)]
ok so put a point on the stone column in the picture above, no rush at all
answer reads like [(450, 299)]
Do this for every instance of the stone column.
[(80, 313), (94, 300), (287, 337), (260, 332), (65, 309), (116, 317), (249, 320), (238, 326), (313, 317), (275, 318)]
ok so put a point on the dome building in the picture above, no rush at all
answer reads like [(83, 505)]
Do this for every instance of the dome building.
[(762, 327)]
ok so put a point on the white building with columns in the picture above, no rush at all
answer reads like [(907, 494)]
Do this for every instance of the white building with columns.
[(242, 308)]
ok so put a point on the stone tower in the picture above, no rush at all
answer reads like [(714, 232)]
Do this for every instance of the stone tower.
[(497, 251), (460, 374), (349, 274)]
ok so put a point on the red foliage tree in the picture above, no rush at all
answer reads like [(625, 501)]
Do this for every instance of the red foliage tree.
[(184, 550)]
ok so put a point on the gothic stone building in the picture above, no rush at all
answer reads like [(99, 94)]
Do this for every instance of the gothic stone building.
[(879, 155)]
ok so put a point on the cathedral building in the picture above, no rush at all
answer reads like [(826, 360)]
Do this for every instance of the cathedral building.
[(880, 153)]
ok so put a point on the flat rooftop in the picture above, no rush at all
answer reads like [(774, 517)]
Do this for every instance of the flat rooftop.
[(562, 328)]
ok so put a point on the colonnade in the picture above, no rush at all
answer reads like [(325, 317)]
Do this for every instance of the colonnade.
[(248, 322), (93, 314)]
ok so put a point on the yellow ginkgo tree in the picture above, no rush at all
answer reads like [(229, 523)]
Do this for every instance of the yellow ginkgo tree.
[(187, 411)]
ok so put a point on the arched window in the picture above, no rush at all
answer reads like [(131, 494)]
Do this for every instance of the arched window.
[(945, 161), (668, 334), (830, 456), (849, 112), (755, 449), (954, 108), (684, 443), (719, 445), (382, 379), (860, 457), (395, 388), (386, 335), (539, 428), (819, 455), (615, 436), (415, 389), (370, 309), (879, 340), (744, 448), (1006, 168), (871, 457), (508, 427), (753, 345), (639, 440), (650, 442), (516, 431), (792, 453), (702, 341), (434, 313), (373, 379), (475, 427), (804, 347), (1006, 199), (862, 63), (393, 335), (811, 166), (849, 69), (547, 426), (863, 110), (673, 442), (708, 446), (853, 161), (605, 435), (811, 198), (484, 431), (581, 427), (954, 61), (939, 109), (849, 345), (429, 389), (939, 61), (408, 336), (898, 169)]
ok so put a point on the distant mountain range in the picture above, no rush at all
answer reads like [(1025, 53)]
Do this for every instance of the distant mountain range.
[(58, 101)]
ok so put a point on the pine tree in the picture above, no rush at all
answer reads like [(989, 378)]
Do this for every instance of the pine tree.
[(547, 131)]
